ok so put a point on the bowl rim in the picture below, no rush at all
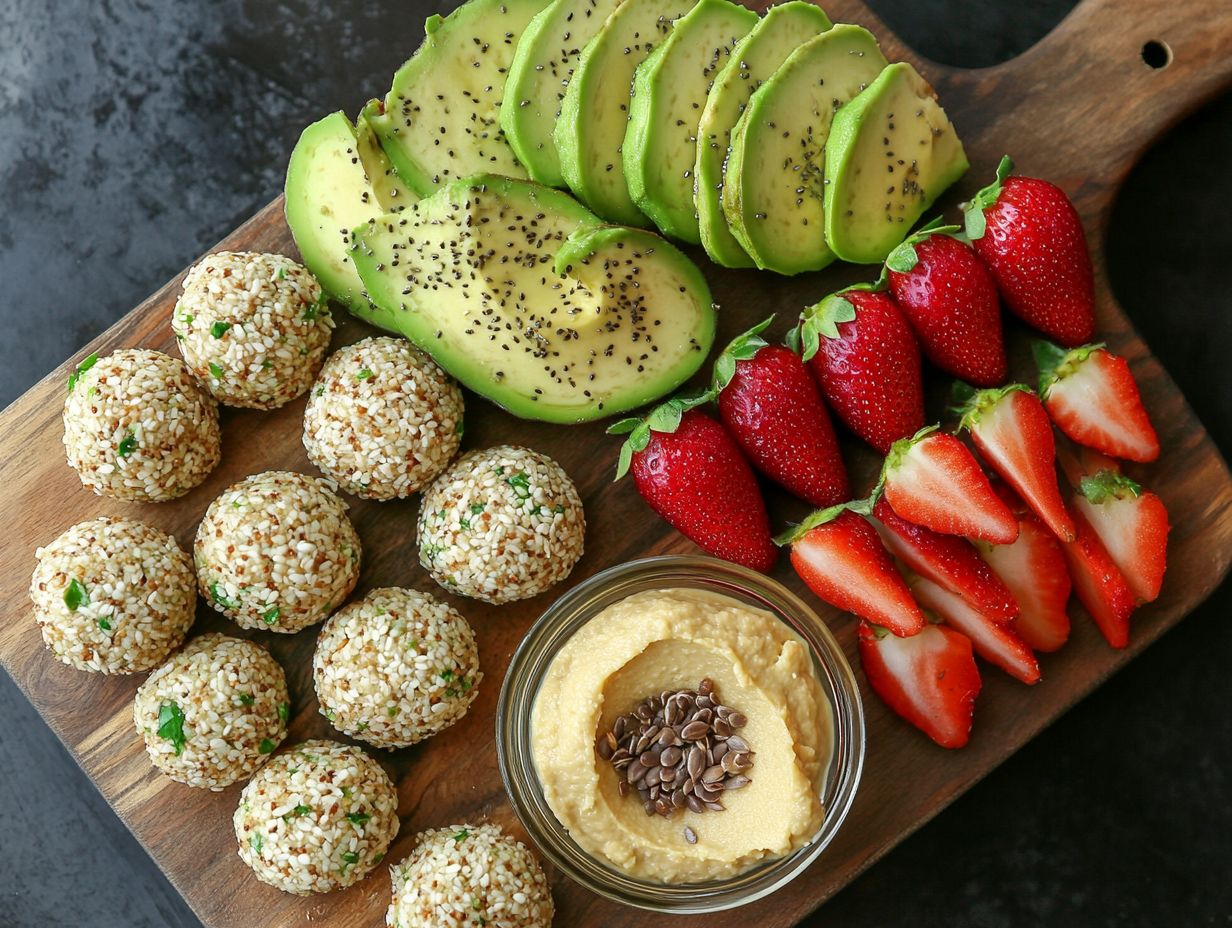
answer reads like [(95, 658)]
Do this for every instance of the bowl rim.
[(577, 606)]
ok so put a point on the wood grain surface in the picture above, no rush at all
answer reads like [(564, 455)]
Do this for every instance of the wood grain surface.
[(1078, 108)]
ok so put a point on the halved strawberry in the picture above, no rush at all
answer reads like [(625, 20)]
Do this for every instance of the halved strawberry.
[(1078, 461), (996, 643), (947, 560), (1011, 431), (1033, 568), (1093, 398), (838, 556), (930, 679), (932, 480), (1098, 583), (1132, 523)]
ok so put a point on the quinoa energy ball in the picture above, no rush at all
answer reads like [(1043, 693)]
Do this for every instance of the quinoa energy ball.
[(277, 551), (469, 875), (501, 524), (113, 595), (383, 419), (214, 713), (138, 426), (395, 667), (253, 327), (316, 818)]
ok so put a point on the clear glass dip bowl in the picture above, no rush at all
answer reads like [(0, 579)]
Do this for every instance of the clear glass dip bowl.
[(578, 606)]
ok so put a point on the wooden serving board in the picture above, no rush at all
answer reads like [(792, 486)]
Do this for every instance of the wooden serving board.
[(1078, 108)]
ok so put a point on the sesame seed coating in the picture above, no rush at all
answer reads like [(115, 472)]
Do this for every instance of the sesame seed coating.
[(469, 875), (316, 818), (253, 327), (233, 706), (138, 426), (501, 524), (383, 420), (396, 667), (277, 551), (113, 595)]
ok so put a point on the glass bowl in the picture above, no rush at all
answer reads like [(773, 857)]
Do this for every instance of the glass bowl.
[(555, 627)]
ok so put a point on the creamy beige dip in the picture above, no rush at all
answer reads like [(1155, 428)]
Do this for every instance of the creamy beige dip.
[(670, 640)]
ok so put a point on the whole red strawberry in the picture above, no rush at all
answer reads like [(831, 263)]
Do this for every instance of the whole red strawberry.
[(950, 300), (1029, 235), (859, 346), (691, 472), (770, 404)]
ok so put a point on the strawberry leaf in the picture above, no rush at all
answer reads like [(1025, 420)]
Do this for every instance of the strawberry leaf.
[(663, 418), (1056, 363), (792, 338), (979, 402), (823, 319), (794, 532), (904, 257), (974, 222), (741, 348), (1109, 484), (624, 426)]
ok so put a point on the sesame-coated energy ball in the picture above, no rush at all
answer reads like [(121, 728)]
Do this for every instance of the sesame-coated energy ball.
[(395, 667), (113, 595), (214, 713), (253, 327), (316, 818), (501, 524), (277, 551), (467, 876), (383, 420), (138, 426)]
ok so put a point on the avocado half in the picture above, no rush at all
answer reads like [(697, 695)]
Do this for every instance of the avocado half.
[(530, 300)]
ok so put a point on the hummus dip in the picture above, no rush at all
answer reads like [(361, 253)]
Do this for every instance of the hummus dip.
[(669, 640)]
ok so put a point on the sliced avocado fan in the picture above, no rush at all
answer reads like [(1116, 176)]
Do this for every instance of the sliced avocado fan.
[(773, 186), (529, 300), (441, 118), (669, 91), (591, 128), (535, 86), (391, 192), (892, 152), (756, 57)]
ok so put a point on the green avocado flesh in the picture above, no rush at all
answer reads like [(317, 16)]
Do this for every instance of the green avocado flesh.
[(530, 301), (535, 86), (329, 191), (669, 91), (391, 193), (593, 116), (892, 152), (757, 56), (441, 119), (775, 177)]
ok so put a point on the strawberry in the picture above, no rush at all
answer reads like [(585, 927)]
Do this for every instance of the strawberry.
[(1132, 524), (1093, 399), (1033, 568), (1010, 429), (1078, 461), (838, 556), (692, 473), (1029, 236), (860, 348), (950, 300), (932, 480), (930, 679), (1098, 583), (770, 404), (996, 643), (946, 560)]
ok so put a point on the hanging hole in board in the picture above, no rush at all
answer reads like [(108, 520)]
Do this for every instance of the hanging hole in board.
[(1156, 54)]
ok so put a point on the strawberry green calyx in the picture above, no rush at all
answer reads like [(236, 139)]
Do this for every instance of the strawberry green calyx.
[(741, 348), (823, 318), (970, 404), (904, 257), (861, 507), (973, 212), (1056, 363), (894, 460), (1109, 484), (663, 418)]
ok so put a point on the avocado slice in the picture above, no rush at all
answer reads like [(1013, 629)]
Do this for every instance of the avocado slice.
[(757, 56), (529, 300), (892, 152), (441, 118), (669, 91), (391, 193), (772, 189), (591, 128), (535, 86)]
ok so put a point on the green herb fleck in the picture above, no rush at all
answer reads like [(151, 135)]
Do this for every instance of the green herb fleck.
[(104, 624), (329, 714), (365, 374), (391, 711), (75, 595), (346, 791), (91, 392), (477, 508), (521, 484), (297, 812), (461, 836), (255, 843), (362, 726), (271, 615), (319, 391), (282, 273), (358, 818), (310, 312), (215, 371), (171, 725), (127, 445), (266, 746), (81, 369), (220, 597), (266, 364), (247, 699), (219, 329), (465, 523), (349, 859), (284, 712), (447, 675), (461, 427)]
